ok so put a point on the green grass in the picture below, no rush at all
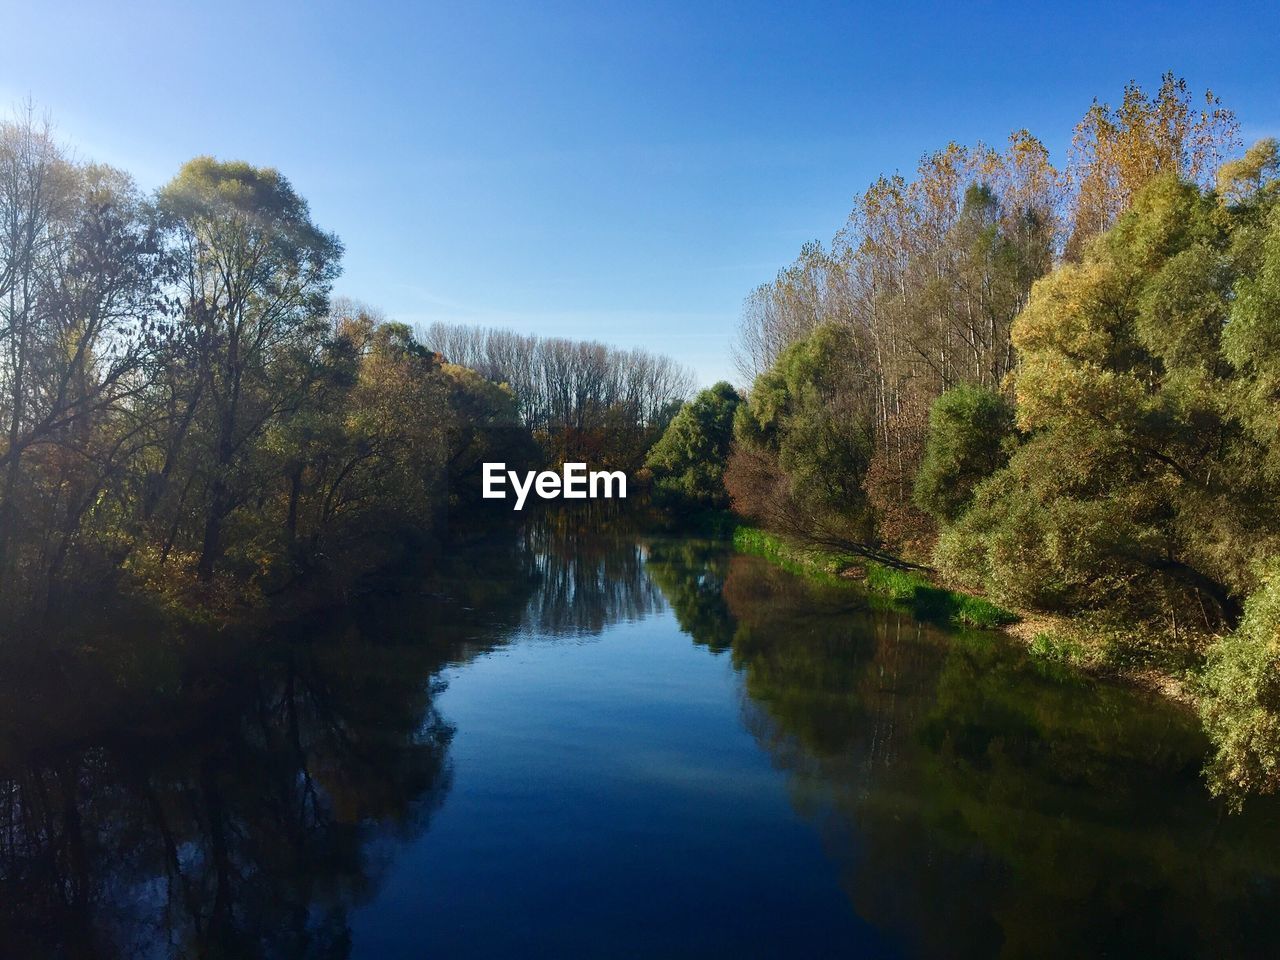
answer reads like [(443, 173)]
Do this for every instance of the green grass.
[(802, 561), (1052, 645), (905, 588)]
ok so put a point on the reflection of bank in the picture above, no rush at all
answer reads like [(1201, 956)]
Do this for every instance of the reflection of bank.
[(228, 795), (237, 793), (982, 802)]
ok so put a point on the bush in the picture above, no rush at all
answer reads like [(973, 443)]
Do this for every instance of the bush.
[(1240, 698), (970, 429), (688, 461)]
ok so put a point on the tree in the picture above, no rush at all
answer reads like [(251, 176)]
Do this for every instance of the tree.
[(929, 274), (969, 432), (689, 460), (803, 440), (1116, 152), (1148, 489), (1240, 698), (256, 275), (484, 425), (582, 400), (81, 322), (1239, 180)]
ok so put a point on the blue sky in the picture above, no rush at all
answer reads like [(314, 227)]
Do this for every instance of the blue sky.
[(625, 172)]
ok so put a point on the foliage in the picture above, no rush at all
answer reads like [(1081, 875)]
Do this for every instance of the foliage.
[(803, 442), (807, 562), (582, 400), (1117, 152), (907, 588), (181, 400), (931, 270), (930, 602), (969, 433), (1148, 488), (1240, 698), (688, 461)]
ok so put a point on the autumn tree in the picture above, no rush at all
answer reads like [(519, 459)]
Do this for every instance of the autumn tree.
[(1115, 152), (81, 322), (1147, 489)]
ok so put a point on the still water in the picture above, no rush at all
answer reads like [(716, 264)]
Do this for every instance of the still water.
[(571, 744)]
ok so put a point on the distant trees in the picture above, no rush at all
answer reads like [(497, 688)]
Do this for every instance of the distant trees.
[(582, 400), (688, 461)]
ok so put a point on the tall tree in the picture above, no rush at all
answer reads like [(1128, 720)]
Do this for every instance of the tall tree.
[(1115, 152), (256, 275)]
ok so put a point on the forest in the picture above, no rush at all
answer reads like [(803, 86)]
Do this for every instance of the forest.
[(1054, 388), (187, 411)]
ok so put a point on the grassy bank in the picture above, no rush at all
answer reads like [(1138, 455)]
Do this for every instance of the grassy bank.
[(1132, 655), (908, 589)]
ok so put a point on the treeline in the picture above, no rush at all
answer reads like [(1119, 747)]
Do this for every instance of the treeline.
[(1059, 387), (583, 401), (180, 398), (923, 284)]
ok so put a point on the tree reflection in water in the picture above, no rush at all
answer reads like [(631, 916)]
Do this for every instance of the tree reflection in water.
[(205, 794), (591, 574), (237, 793), (229, 793), (982, 803)]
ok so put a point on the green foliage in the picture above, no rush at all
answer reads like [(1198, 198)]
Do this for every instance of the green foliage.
[(689, 460), (930, 602), (807, 562), (969, 431), (805, 438), (800, 410), (1051, 645), (1240, 698), (1146, 490)]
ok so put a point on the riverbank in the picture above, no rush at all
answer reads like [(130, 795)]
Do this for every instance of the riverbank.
[(1091, 648)]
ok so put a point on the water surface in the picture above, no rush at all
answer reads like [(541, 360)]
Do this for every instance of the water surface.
[(575, 744)]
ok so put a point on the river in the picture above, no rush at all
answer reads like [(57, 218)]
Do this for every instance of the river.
[(570, 742)]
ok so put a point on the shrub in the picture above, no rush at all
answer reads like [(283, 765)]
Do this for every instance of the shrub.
[(970, 429), (1240, 698)]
